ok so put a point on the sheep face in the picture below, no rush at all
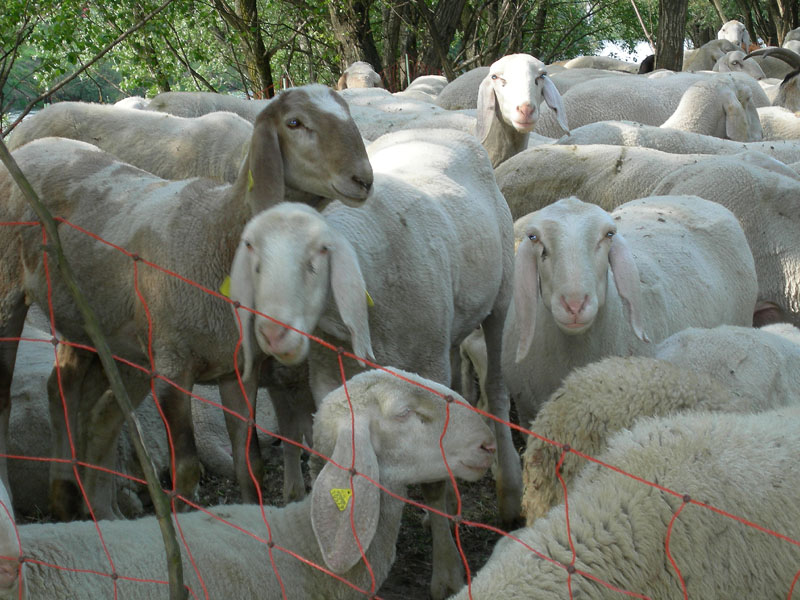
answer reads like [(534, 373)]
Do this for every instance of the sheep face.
[(287, 261), (322, 150), (513, 90), (564, 257), (403, 419), (735, 31), (735, 61)]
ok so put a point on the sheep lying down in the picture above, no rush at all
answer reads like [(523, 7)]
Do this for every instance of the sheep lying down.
[(623, 532), (392, 437)]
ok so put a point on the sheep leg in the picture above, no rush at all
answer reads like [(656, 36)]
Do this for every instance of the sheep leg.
[(247, 462), (447, 575), (101, 422), (12, 320), (64, 393), (178, 413), (508, 476)]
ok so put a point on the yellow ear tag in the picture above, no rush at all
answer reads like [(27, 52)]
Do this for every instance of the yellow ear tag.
[(341, 497), (250, 182), (225, 288), (370, 301)]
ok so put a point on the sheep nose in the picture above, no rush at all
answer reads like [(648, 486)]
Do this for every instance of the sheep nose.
[(489, 446), (525, 110), (574, 307), (367, 185), (273, 333)]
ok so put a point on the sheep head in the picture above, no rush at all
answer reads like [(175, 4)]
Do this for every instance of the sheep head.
[(286, 263), (735, 32), (305, 139), (564, 258), (734, 61), (512, 92), (391, 436)]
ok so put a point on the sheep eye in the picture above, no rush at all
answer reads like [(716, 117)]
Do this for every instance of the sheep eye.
[(324, 250), (610, 234), (533, 237), (403, 415), (293, 123), (494, 76), (248, 245)]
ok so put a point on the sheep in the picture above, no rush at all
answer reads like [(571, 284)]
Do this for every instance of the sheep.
[(424, 87), (391, 437), (610, 175), (648, 100), (709, 472), (735, 61), (735, 32), (719, 108), (676, 261), (788, 94), (674, 141), (601, 62), (462, 92), (435, 260), (197, 104), (508, 104), (759, 364), (704, 57), (171, 147), (359, 74), (133, 102), (567, 78), (725, 368), (765, 202), (779, 123), (304, 146)]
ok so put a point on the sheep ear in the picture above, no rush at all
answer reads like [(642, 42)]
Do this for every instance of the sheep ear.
[(342, 83), (626, 278), (735, 120), (487, 102), (350, 294), (337, 506), (526, 295), (242, 290), (554, 101), (265, 162)]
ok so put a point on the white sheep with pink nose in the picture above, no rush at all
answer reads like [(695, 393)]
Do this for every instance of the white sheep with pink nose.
[(590, 284)]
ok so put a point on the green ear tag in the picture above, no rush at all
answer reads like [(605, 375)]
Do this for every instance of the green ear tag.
[(225, 288), (250, 182), (370, 302), (341, 497)]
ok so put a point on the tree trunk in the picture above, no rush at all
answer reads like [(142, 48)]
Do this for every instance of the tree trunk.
[(671, 29), (441, 27), (538, 30), (353, 31)]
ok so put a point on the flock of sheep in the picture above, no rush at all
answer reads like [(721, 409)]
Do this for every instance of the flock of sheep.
[(592, 243)]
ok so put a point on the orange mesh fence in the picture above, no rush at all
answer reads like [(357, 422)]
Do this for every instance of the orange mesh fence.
[(459, 522)]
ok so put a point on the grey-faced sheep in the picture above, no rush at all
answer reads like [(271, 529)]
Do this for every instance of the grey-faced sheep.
[(633, 536), (171, 147), (432, 247), (390, 436), (590, 284), (304, 144)]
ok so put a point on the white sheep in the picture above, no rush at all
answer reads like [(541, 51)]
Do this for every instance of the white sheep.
[(764, 200), (647, 100), (197, 104), (132, 102), (391, 437), (634, 535), (304, 146), (602, 62), (704, 57), (567, 78), (424, 87), (779, 123), (725, 368), (611, 282), (735, 61), (735, 32), (432, 248), (171, 147), (359, 74), (462, 92), (509, 100)]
